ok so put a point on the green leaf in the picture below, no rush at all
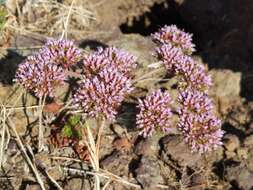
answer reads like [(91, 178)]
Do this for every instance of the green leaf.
[(79, 135), (67, 131), (74, 120)]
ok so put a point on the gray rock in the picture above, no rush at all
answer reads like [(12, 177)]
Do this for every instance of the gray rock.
[(148, 173), (177, 150), (248, 141), (226, 88), (241, 175), (142, 48)]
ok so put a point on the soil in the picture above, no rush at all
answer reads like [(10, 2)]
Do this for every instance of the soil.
[(223, 33)]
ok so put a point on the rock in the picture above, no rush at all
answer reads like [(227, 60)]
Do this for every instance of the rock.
[(176, 150), (250, 38), (142, 48), (128, 13), (226, 88), (230, 155), (249, 160), (122, 144), (248, 141), (12, 148), (148, 173), (118, 129), (149, 146), (205, 18), (193, 179), (21, 123), (242, 153), (117, 162), (33, 187), (77, 183), (231, 142), (56, 172), (42, 160), (241, 175)]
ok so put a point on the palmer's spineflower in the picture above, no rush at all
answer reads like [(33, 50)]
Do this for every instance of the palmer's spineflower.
[(194, 101), (122, 60), (202, 132), (61, 52), (109, 57), (195, 75), (39, 76), (155, 113), (200, 127), (93, 64), (178, 38), (102, 94), (192, 73), (170, 56)]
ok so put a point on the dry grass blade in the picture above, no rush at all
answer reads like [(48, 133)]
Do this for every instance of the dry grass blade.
[(54, 181), (53, 17), (3, 130), (148, 75), (93, 154), (41, 127), (34, 169), (103, 175), (66, 23), (100, 133), (107, 184)]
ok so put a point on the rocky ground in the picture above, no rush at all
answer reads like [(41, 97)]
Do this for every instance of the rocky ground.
[(223, 33)]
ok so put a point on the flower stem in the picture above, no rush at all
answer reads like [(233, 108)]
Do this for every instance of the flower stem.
[(41, 127)]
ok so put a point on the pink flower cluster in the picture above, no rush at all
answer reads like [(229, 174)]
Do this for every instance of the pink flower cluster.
[(155, 113), (193, 74), (61, 52), (197, 121), (178, 38), (200, 127), (201, 132), (109, 57), (107, 82), (42, 72)]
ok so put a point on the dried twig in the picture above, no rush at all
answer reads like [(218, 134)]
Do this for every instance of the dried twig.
[(34, 169), (41, 127), (2, 134)]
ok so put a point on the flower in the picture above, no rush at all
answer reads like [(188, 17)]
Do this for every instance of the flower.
[(194, 101), (39, 76), (171, 56), (155, 113), (201, 132), (124, 61), (195, 75), (178, 38), (102, 94), (94, 63), (192, 73), (61, 52), (109, 57), (200, 127)]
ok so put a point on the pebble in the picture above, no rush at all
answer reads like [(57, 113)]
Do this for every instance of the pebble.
[(231, 142), (242, 153), (248, 141)]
